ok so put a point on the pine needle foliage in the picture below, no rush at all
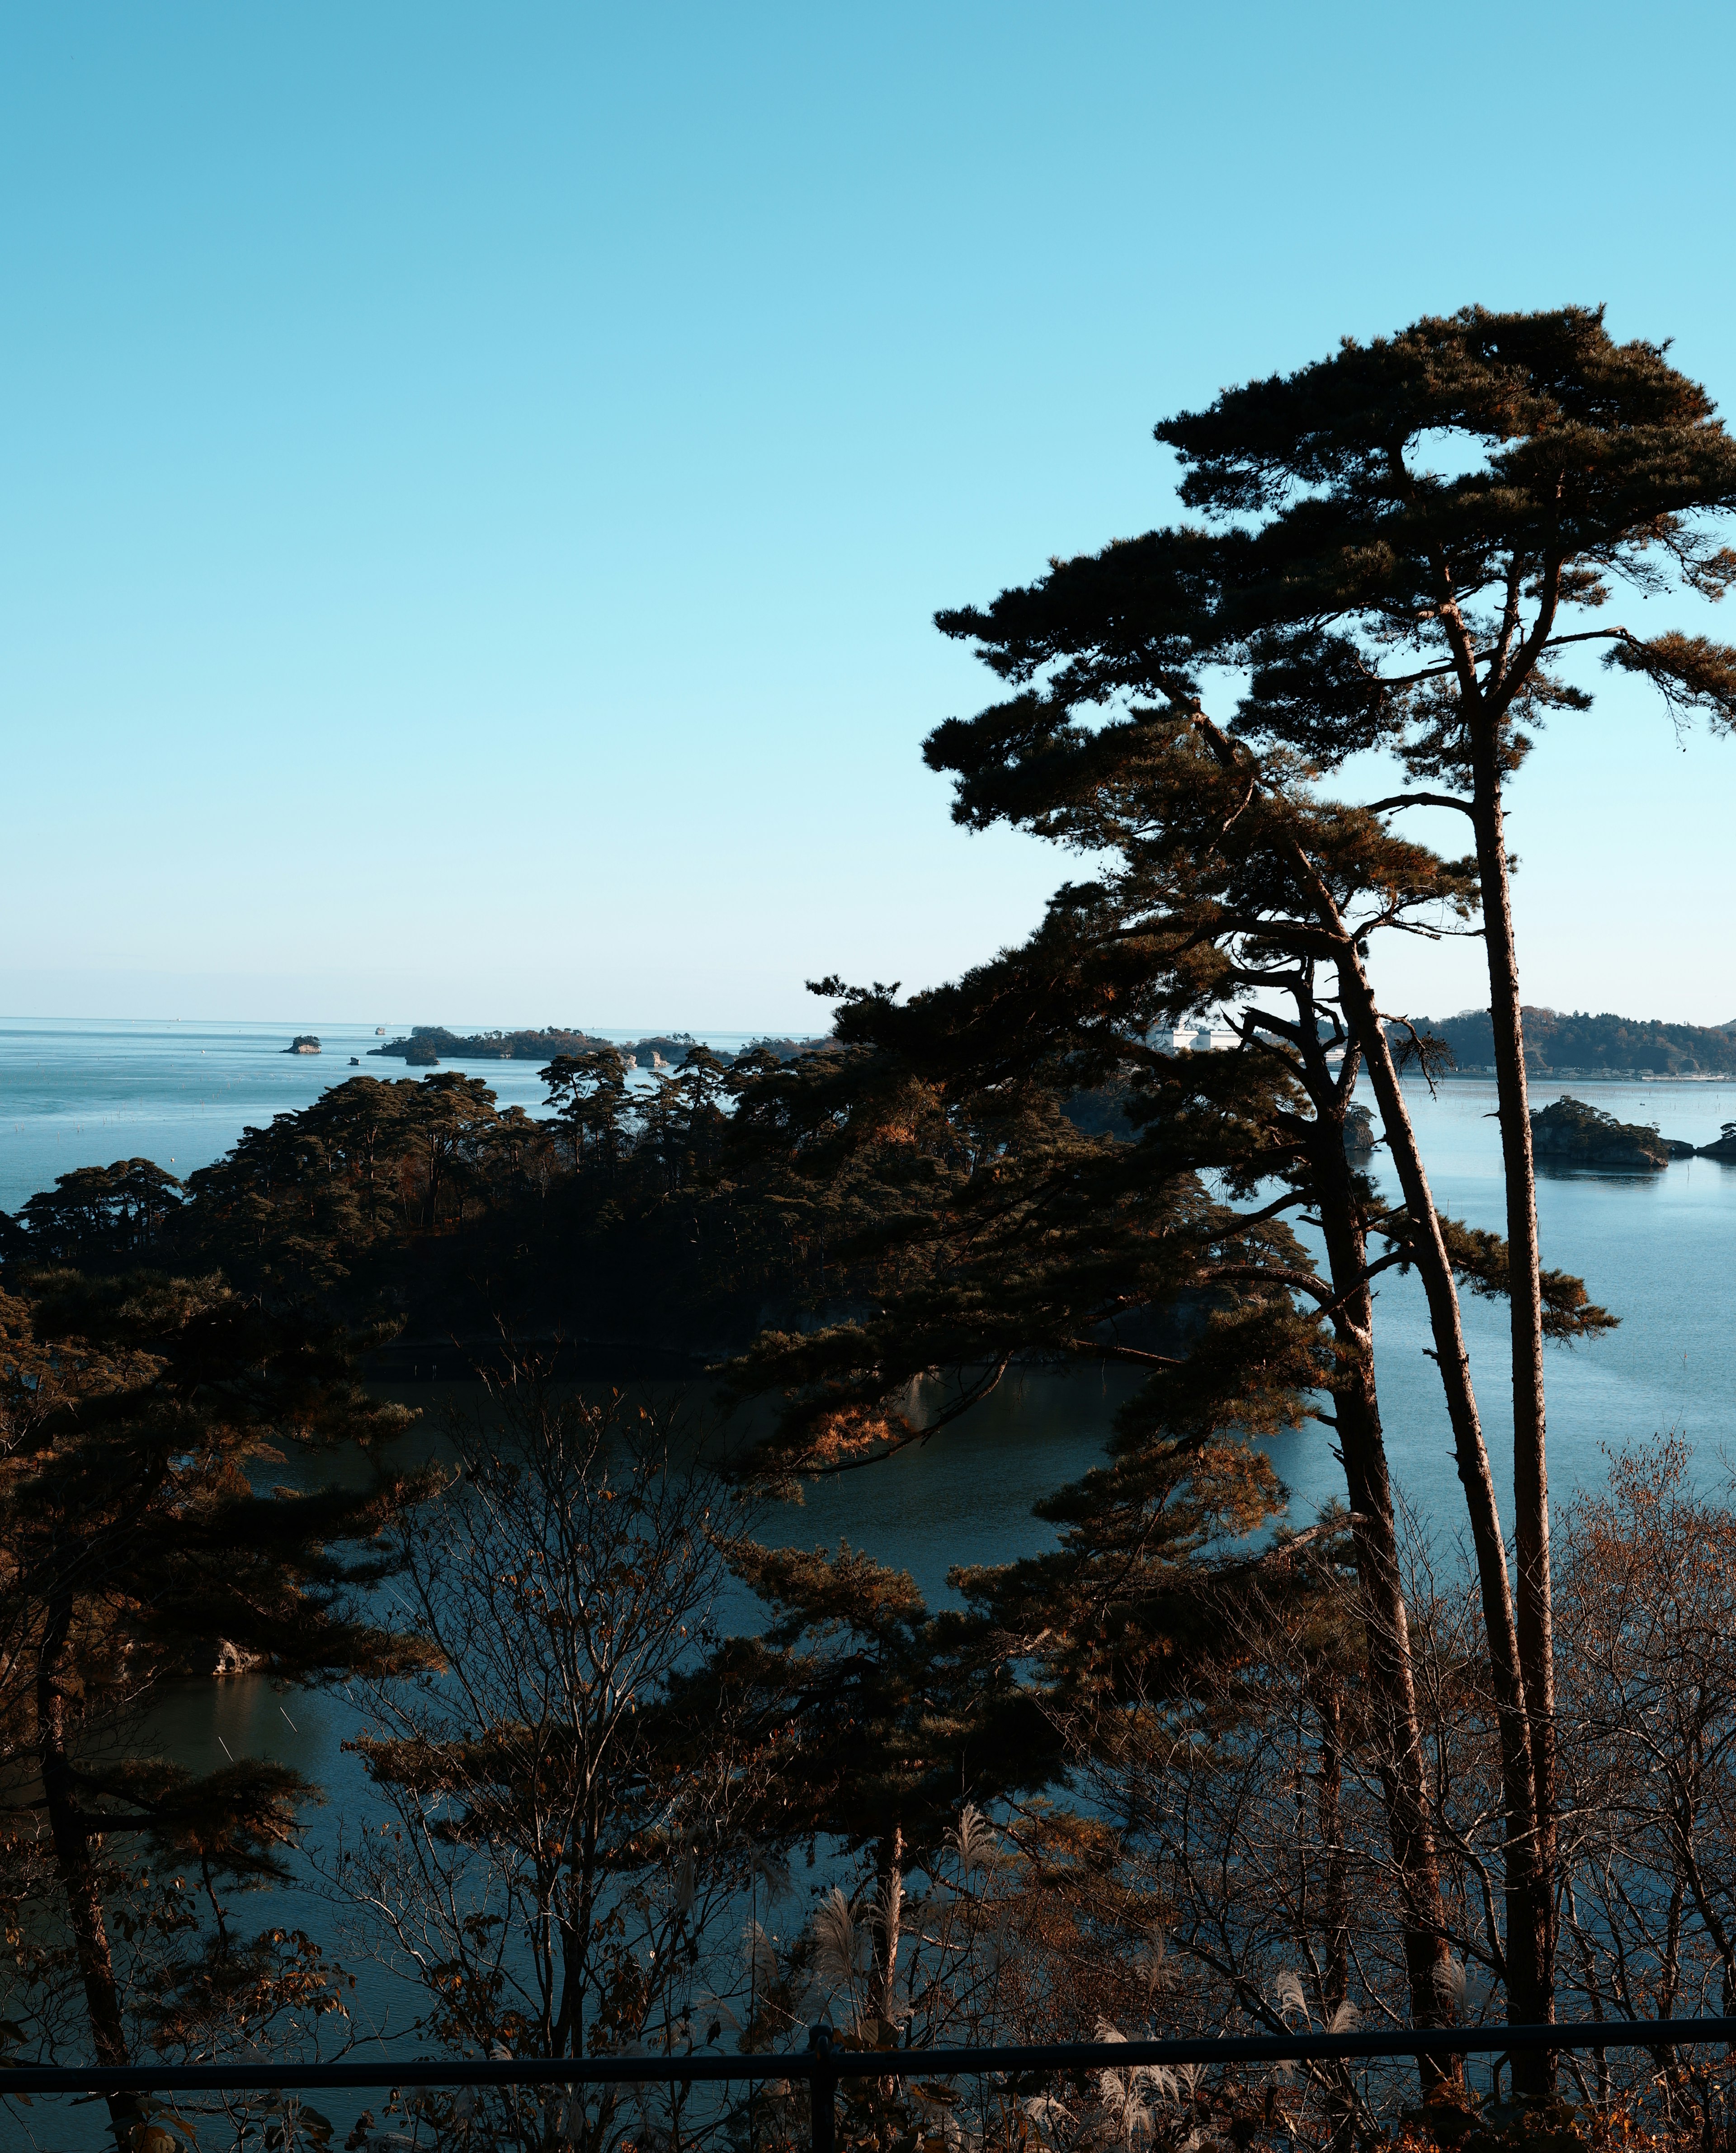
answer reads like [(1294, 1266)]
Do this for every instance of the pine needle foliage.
[(141, 1419)]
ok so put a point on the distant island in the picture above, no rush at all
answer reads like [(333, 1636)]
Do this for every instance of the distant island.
[(1559, 1043), (305, 1042), (428, 1045)]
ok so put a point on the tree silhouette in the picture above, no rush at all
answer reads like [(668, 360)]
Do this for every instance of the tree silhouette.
[(137, 1413), (1368, 600)]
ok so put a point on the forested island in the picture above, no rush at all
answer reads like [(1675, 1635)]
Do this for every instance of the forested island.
[(1571, 1133), (426, 1044)]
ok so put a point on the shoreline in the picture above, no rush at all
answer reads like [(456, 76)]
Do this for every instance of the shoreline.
[(1590, 1076)]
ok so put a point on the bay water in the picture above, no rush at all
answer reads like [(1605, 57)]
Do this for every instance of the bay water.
[(90, 1092)]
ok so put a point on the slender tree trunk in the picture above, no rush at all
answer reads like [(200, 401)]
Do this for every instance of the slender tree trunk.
[(1530, 1850), (1530, 1463), (75, 1865), (1530, 1989), (1530, 1993), (1374, 1536)]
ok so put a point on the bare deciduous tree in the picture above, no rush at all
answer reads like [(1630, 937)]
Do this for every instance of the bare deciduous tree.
[(559, 1858)]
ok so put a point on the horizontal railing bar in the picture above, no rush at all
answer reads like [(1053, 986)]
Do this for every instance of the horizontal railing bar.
[(826, 2061)]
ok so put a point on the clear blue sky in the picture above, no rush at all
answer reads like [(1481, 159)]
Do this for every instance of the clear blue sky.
[(476, 480)]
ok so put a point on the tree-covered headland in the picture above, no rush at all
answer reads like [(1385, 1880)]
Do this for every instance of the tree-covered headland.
[(649, 1777), (419, 1207), (1576, 1043)]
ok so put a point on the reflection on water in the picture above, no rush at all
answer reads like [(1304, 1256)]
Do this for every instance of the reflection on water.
[(205, 1724)]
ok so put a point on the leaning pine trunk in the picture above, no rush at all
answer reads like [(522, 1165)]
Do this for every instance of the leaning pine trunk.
[(1530, 1995), (1374, 1537), (1526, 1797)]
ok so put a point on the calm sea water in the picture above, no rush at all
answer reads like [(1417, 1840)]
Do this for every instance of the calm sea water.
[(87, 1093), (1658, 1248)]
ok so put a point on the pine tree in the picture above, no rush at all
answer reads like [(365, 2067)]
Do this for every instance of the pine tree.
[(1370, 601), (588, 1092), (1234, 887), (141, 1416)]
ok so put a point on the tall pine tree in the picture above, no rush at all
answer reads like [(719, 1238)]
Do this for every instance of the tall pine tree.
[(1369, 600)]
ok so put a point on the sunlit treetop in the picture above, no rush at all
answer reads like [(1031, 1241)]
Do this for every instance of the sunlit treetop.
[(1398, 542)]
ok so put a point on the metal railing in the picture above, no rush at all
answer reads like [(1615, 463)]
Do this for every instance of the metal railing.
[(823, 2064)]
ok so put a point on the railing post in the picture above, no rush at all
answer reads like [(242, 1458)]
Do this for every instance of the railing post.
[(821, 2090)]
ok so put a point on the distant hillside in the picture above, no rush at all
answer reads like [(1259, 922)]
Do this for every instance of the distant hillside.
[(1559, 1043), (427, 1044)]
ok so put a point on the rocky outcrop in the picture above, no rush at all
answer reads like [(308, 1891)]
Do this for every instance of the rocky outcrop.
[(1571, 1133), (1724, 1148), (218, 1655), (305, 1042)]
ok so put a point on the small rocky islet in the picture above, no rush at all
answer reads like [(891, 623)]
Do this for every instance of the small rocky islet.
[(1568, 1132)]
